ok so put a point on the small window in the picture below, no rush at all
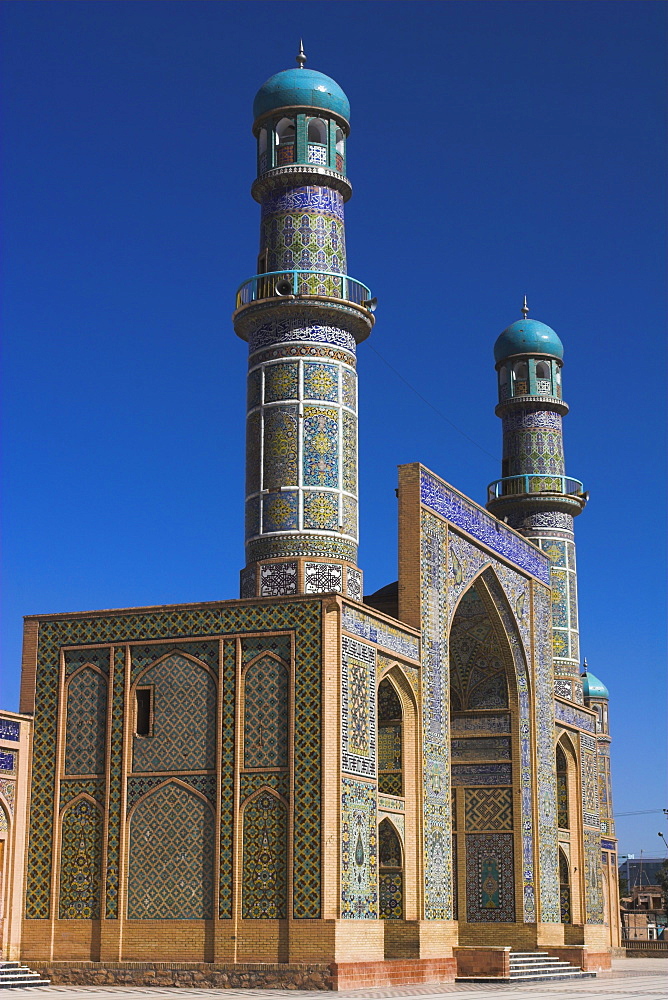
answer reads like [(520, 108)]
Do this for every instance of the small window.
[(503, 376), (144, 711), (542, 369), (317, 131), (339, 141), (520, 371), (262, 143)]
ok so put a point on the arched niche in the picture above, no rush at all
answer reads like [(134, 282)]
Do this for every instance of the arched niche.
[(171, 853), (317, 131), (265, 712), (265, 857), (390, 872), (85, 735), (489, 709), (390, 739), (81, 828)]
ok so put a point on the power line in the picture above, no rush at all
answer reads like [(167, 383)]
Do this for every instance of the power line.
[(431, 405), (639, 812)]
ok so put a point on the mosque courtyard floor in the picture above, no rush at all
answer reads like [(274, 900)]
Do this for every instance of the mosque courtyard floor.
[(629, 978)]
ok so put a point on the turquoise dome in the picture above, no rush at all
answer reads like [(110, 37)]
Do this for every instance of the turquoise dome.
[(303, 87), (592, 687), (528, 336)]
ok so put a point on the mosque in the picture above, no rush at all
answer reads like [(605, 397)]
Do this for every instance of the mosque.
[(306, 785)]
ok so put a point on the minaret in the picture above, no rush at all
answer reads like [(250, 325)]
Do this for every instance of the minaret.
[(535, 496), (302, 316), (596, 697)]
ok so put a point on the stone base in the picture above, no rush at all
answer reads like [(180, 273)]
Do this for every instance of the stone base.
[(316, 976), (200, 975)]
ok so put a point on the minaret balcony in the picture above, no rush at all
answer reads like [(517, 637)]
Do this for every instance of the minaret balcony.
[(541, 491), (300, 283)]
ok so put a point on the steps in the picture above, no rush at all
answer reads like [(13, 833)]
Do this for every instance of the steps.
[(533, 967), (14, 976)]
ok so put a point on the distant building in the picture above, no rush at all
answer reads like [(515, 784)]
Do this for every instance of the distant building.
[(643, 908)]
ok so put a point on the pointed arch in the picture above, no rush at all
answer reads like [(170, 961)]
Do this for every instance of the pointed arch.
[(81, 828), (390, 738), (264, 820), (167, 781), (5, 817), (265, 693), (564, 888), (183, 693), (390, 871), (171, 850), (86, 693)]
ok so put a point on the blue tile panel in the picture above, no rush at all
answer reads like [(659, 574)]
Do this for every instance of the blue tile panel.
[(372, 630), (10, 730), (359, 854), (572, 716), (439, 497), (7, 761)]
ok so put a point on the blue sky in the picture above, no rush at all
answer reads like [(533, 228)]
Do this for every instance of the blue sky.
[(497, 149)]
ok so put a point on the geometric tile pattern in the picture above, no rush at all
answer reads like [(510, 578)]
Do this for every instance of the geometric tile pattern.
[(144, 656), (265, 859), (305, 241), (366, 627), (281, 433), (489, 809), (593, 877), (86, 722), (75, 658), (4, 821), (250, 783), (359, 856), (482, 748), (266, 714), (94, 787), (390, 875), (573, 716), (477, 670), (8, 792), (321, 381), (278, 579), (589, 780), (323, 578), (490, 884), (184, 718), (114, 802), (482, 526), (227, 735), (170, 872), (562, 790), (80, 861), (321, 510), (138, 787), (358, 707), (179, 623)]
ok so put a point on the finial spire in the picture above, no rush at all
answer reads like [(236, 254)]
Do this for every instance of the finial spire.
[(301, 55), (584, 665), (525, 308)]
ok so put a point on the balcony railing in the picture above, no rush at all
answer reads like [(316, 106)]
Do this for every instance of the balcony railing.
[(521, 485), (282, 284)]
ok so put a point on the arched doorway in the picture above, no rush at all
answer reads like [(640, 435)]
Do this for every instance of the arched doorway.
[(564, 888), (484, 715), (391, 872)]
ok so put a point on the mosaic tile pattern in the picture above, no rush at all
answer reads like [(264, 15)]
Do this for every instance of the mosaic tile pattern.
[(312, 546), (359, 857), (321, 510), (477, 671), (8, 761), (281, 381), (358, 708), (86, 722), (197, 624), (304, 199), (301, 328), (323, 578), (589, 780), (572, 716), (278, 781), (115, 795), (593, 877), (490, 722), (70, 789), (8, 792), (490, 881), (349, 452), (438, 899), (485, 748), (281, 446), (4, 820), (184, 718), (266, 714), (305, 240), (278, 579), (488, 809), (227, 738), (265, 859), (366, 627), (252, 646), (390, 875), (170, 874), (80, 862), (10, 730), (138, 787), (307, 351), (482, 526), (353, 583), (349, 516), (280, 512), (321, 381), (146, 654), (545, 772), (481, 774)]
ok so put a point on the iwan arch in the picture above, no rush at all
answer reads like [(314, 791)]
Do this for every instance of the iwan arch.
[(353, 790)]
